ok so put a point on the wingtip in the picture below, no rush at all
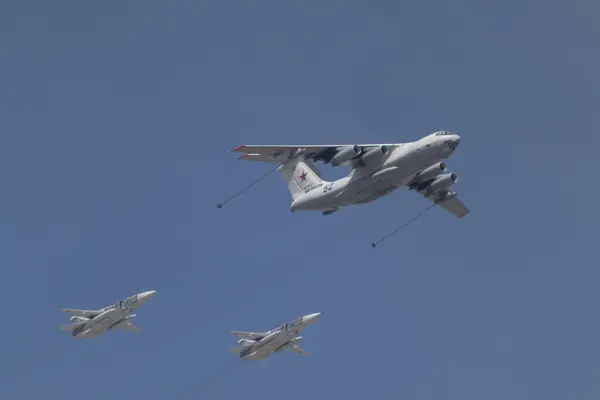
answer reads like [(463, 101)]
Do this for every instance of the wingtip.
[(238, 148)]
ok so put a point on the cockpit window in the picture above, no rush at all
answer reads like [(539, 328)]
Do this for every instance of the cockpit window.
[(443, 133)]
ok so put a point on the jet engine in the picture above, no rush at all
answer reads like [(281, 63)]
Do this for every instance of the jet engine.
[(116, 324), (346, 154), (103, 313), (374, 154), (440, 183), (245, 342), (269, 337), (429, 173)]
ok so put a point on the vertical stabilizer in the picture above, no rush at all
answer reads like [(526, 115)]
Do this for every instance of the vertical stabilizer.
[(299, 177)]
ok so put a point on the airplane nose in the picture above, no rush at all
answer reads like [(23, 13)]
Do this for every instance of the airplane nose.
[(312, 317), (145, 296), (456, 139)]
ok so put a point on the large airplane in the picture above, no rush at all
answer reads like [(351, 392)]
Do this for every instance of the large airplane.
[(377, 170), (87, 324), (258, 346)]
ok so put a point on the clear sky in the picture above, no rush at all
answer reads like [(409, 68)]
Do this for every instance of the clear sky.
[(116, 121)]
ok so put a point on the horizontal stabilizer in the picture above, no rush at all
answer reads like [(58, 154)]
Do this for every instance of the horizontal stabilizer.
[(81, 313), (237, 349), (258, 157), (248, 335), (68, 327)]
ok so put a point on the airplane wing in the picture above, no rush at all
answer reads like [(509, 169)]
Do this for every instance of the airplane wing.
[(81, 313), (454, 205), (317, 153), (448, 201), (248, 335), (68, 327), (129, 326), (297, 349), (437, 187)]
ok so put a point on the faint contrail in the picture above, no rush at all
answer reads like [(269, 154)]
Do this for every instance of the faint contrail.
[(221, 373), (31, 361)]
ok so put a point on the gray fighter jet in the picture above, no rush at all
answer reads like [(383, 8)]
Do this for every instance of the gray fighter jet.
[(91, 323), (258, 346)]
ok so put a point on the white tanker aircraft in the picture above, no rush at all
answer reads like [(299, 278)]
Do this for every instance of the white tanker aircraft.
[(377, 170)]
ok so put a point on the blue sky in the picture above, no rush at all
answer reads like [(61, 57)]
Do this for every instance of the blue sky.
[(116, 122)]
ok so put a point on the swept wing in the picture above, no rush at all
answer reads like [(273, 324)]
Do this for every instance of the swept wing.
[(129, 326), (442, 194), (81, 313), (297, 349), (69, 327), (248, 335), (454, 205), (316, 153)]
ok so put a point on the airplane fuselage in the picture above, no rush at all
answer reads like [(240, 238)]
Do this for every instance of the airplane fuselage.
[(370, 182), (99, 324), (268, 345), (278, 339), (111, 317)]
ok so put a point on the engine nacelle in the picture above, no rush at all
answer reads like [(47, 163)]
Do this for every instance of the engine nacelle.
[(346, 154), (100, 316), (430, 172), (441, 182), (374, 154), (269, 337), (117, 324)]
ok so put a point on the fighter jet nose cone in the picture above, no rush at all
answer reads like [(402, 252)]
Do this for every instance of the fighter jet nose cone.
[(312, 317), (146, 295)]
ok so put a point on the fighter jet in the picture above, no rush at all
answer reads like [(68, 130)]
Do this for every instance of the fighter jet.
[(377, 170), (87, 324), (258, 346)]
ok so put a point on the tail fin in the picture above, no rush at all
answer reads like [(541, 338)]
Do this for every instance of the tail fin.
[(300, 177), (237, 349), (243, 345), (68, 327), (75, 323)]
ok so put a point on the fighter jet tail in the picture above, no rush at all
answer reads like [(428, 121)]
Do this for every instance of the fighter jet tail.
[(237, 349), (75, 322), (68, 327), (243, 343)]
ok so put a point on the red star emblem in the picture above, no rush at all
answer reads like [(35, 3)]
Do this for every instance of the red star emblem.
[(303, 176)]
